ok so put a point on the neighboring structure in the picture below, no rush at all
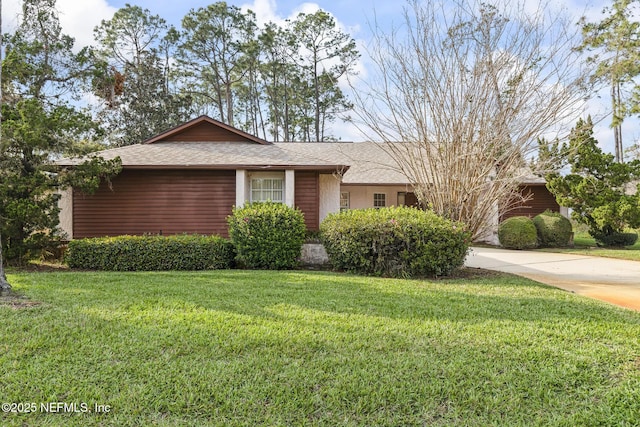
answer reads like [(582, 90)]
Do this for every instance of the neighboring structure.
[(188, 179), (538, 199)]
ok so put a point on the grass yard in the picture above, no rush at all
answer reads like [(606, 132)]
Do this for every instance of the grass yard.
[(586, 245), (247, 348)]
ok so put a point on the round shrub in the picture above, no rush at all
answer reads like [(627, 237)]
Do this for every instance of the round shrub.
[(518, 232), (394, 241), (554, 230), (267, 235)]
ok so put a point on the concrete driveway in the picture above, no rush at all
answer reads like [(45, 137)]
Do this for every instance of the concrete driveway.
[(612, 280)]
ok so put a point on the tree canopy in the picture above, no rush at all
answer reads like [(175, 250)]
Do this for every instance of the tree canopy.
[(599, 190), (279, 82), (614, 45), (40, 74)]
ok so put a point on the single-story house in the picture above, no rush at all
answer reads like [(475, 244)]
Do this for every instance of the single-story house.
[(187, 180)]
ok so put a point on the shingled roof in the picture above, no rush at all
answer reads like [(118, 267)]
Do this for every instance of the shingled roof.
[(368, 162), (204, 143), (206, 155)]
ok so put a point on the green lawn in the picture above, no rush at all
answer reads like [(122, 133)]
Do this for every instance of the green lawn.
[(313, 348), (586, 245)]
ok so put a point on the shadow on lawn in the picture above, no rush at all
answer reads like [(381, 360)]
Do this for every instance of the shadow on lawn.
[(477, 298)]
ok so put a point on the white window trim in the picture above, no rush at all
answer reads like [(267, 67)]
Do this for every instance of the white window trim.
[(271, 180), (384, 200)]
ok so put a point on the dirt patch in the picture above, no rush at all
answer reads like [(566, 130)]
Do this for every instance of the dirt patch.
[(618, 299), (43, 267), (16, 301)]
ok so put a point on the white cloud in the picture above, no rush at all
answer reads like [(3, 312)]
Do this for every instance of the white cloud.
[(265, 11), (307, 8), (78, 19), (10, 12)]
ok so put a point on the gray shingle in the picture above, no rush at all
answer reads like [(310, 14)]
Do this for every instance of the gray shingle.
[(364, 162)]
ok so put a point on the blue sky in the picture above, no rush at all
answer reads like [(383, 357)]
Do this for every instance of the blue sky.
[(78, 19)]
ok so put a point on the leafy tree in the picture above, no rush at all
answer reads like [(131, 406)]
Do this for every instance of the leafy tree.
[(4, 284), (615, 42), (325, 54), (214, 55), (134, 78), (279, 80), (39, 124), (277, 72), (598, 189)]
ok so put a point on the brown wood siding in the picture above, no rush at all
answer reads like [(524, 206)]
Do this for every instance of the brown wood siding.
[(170, 201), (410, 199), (307, 197), (206, 132), (541, 199)]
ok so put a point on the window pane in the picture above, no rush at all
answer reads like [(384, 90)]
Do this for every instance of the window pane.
[(344, 201), (264, 189)]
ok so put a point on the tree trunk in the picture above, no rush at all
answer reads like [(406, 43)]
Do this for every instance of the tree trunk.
[(4, 284), (617, 130)]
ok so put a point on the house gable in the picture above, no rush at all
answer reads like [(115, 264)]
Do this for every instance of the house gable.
[(205, 129)]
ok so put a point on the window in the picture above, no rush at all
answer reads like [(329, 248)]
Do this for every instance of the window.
[(267, 189), (379, 200), (344, 201), (402, 198)]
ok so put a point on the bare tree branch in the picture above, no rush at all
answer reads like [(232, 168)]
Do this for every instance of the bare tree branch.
[(463, 92)]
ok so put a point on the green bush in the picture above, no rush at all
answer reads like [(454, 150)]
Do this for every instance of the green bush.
[(615, 239), (149, 253), (518, 232), (394, 241), (554, 230), (267, 235)]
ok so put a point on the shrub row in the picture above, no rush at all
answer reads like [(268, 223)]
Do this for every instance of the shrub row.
[(548, 229), (146, 253), (394, 241)]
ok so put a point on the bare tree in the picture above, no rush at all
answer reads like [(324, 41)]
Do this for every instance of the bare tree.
[(463, 92)]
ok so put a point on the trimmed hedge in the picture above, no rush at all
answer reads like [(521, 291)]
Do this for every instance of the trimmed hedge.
[(615, 239), (267, 235), (554, 230), (518, 232), (149, 253), (394, 241)]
